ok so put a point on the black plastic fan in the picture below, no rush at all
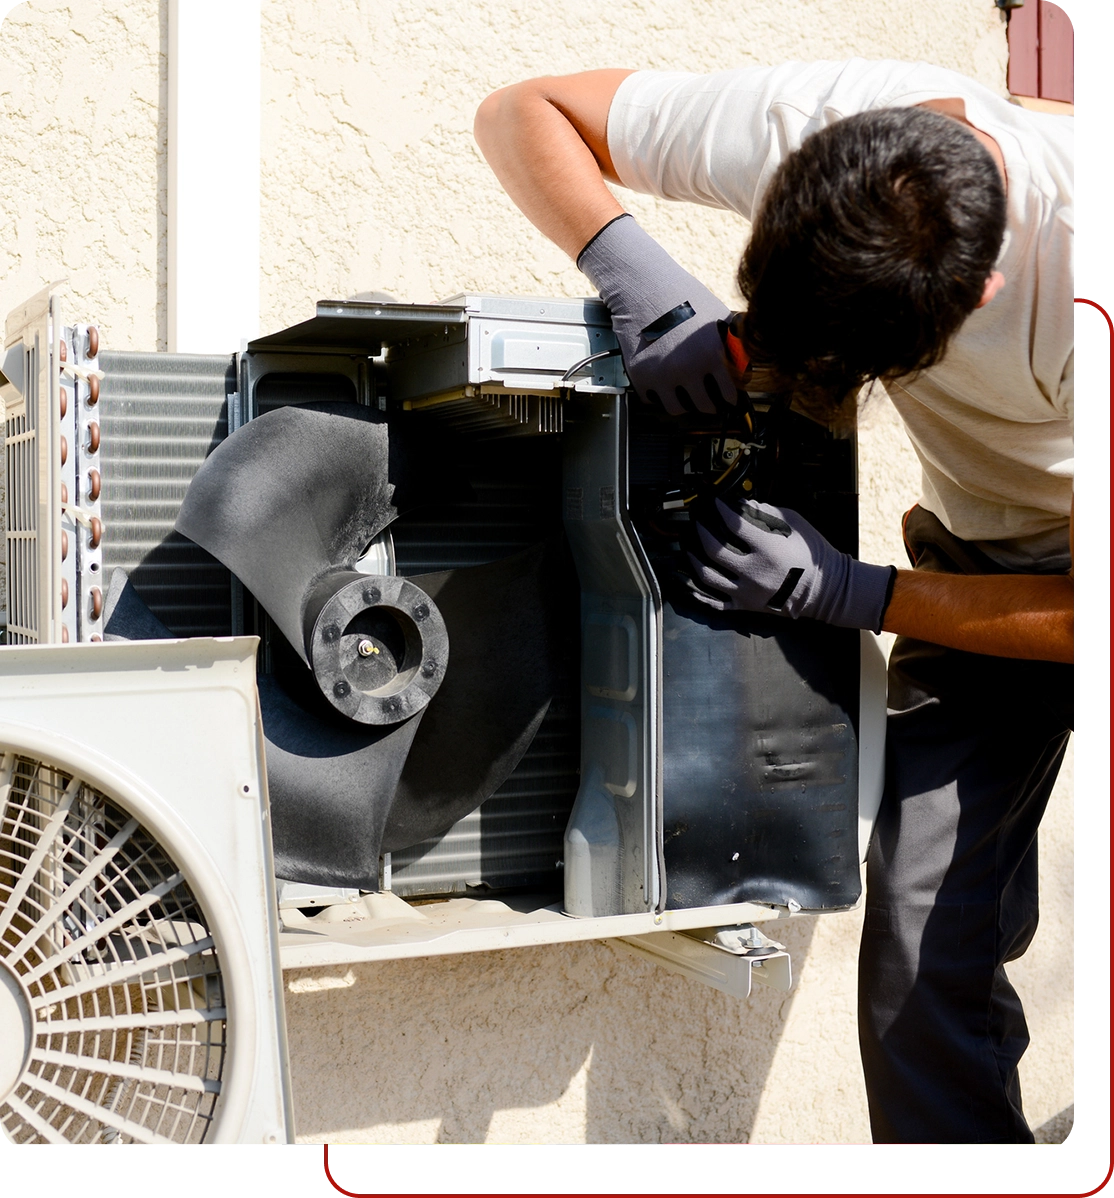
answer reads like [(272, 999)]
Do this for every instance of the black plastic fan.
[(395, 705)]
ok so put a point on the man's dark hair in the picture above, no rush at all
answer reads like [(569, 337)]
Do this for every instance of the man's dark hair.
[(871, 247)]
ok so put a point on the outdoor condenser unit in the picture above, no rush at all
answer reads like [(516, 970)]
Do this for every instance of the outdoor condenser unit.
[(486, 710)]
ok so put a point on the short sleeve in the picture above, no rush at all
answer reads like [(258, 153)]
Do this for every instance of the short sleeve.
[(717, 139)]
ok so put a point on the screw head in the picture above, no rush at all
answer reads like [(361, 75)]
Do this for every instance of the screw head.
[(372, 595), (342, 689), (392, 706), (331, 633), (429, 668), (420, 611)]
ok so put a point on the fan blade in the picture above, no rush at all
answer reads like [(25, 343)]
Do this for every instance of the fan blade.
[(509, 625), (300, 492), (331, 788), (127, 617)]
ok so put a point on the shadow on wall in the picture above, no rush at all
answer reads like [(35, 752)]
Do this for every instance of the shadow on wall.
[(578, 1043)]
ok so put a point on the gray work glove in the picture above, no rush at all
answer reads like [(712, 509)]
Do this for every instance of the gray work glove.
[(773, 560), (666, 321)]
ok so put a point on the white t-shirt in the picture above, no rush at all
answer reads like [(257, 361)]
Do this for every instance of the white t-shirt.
[(992, 423)]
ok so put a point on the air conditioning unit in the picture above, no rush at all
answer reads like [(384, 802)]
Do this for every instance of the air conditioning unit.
[(491, 714)]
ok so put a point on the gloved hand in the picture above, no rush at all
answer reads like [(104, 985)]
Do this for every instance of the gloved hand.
[(666, 321), (771, 559)]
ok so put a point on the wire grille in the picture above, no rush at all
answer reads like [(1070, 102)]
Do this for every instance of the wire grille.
[(22, 536), (115, 961)]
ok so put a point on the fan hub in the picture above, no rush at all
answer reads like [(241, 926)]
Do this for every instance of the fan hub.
[(16, 1026), (378, 648)]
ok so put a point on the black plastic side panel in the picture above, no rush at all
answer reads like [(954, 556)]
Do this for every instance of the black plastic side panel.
[(761, 761)]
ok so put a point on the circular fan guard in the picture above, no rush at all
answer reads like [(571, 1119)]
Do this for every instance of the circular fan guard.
[(109, 969)]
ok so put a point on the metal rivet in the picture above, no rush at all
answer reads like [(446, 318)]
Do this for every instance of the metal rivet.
[(372, 595), (331, 633), (392, 706), (342, 689)]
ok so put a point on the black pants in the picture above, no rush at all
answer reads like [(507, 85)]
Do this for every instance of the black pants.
[(973, 747)]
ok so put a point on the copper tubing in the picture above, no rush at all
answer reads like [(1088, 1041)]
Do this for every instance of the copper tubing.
[(65, 544), (96, 531), (61, 351), (65, 449), (94, 390), (96, 638), (63, 401), (94, 437), (94, 341), (65, 493), (94, 485), (65, 591), (95, 603), (65, 635)]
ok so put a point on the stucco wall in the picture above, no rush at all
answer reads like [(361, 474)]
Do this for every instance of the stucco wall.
[(371, 181)]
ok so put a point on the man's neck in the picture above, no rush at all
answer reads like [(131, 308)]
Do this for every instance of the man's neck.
[(957, 110)]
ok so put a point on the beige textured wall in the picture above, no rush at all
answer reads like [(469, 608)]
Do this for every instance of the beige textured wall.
[(371, 182)]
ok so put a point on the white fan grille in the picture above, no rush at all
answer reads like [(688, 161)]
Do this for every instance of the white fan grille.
[(116, 962)]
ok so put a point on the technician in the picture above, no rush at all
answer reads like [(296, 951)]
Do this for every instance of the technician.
[(909, 225)]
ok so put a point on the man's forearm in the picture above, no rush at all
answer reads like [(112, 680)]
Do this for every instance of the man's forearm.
[(1004, 615), (546, 141)]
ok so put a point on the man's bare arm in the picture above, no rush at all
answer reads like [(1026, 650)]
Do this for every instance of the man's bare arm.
[(1004, 615), (546, 141)]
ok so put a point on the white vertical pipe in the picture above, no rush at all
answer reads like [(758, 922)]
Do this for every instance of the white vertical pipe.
[(213, 175)]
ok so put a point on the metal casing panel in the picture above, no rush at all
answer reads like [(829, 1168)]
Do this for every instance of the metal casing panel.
[(612, 844)]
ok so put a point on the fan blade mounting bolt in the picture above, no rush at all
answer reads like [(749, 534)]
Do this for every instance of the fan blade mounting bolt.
[(342, 689), (331, 633), (420, 611), (366, 649)]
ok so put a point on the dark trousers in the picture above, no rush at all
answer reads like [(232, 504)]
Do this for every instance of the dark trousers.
[(973, 747)]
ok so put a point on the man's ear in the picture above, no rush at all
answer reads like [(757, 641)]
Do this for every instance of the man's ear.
[(994, 283)]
